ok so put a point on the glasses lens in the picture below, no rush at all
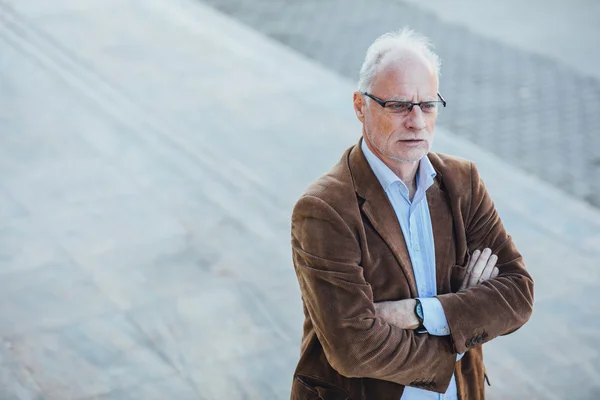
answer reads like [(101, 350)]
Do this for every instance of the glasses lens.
[(398, 106), (429, 106)]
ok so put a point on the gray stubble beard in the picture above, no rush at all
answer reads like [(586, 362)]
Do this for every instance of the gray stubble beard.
[(391, 157)]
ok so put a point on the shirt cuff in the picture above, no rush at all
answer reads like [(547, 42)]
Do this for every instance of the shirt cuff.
[(434, 318)]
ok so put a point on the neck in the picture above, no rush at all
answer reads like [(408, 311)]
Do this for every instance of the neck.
[(405, 171)]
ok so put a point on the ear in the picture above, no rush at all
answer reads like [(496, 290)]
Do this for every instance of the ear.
[(359, 106)]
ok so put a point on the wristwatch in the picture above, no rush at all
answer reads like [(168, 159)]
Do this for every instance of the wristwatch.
[(419, 313)]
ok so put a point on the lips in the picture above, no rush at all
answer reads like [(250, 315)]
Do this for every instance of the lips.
[(412, 142)]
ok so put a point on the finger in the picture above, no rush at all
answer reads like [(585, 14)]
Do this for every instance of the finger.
[(479, 267), (489, 267), (495, 272), (473, 260), (470, 266)]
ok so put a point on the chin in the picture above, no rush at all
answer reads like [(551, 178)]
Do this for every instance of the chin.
[(407, 159), (412, 156)]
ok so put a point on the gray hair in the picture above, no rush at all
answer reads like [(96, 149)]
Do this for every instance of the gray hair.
[(403, 39)]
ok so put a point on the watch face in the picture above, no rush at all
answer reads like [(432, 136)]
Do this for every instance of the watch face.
[(419, 310)]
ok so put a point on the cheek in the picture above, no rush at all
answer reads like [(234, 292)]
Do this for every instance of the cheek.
[(431, 124), (387, 124), (384, 126)]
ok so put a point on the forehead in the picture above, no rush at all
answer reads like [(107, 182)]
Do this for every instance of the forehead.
[(405, 75)]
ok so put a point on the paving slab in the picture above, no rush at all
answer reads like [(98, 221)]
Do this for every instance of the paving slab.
[(149, 167), (507, 68)]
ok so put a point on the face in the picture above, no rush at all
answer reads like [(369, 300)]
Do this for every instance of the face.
[(392, 136)]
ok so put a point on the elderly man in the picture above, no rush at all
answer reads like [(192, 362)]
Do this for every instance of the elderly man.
[(404, 265)]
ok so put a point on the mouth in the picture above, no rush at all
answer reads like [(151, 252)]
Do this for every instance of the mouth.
[(412, 141)]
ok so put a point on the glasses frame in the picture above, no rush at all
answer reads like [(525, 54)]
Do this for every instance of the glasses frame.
[(383, 103)]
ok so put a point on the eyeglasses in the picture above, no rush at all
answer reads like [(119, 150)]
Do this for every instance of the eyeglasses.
[(405, 107)]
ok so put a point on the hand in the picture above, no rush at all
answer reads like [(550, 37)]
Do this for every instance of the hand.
[(481, 268), (400, 313)]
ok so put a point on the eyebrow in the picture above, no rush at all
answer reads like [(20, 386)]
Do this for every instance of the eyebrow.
[(405, 100), (396, 97)]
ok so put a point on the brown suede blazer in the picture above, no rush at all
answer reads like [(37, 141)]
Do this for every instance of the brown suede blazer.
[(349, 252)]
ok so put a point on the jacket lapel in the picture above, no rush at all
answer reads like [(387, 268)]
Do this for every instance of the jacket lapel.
[(378, 209), (442, 227)]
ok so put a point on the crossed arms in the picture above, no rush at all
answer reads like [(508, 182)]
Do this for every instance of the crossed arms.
[(359, 341), (401, 313)]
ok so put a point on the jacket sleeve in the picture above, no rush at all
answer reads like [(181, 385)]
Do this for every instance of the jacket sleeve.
[(497, 306), (340, 305)]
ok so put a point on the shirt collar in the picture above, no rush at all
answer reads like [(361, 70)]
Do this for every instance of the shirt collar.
[(387, 177)]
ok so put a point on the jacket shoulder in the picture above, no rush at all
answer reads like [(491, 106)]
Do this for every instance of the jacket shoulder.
[(449, 164), (335, 186), (455, 171), (333, 190)]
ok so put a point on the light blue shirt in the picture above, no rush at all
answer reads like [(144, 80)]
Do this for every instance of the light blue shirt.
[(415, 222)]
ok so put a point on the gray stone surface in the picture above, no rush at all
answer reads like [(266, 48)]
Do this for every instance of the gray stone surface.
[(147, 174), (564, 31), (510, 93)]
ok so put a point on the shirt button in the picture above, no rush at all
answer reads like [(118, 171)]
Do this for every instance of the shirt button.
[(445, 330), (417, 247)]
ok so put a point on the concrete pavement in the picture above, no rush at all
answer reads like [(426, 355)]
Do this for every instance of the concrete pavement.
[(521, 78), (566, 32), (150, 154)]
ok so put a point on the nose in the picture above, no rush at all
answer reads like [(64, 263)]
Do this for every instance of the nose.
[(415, 120)]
